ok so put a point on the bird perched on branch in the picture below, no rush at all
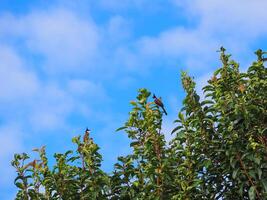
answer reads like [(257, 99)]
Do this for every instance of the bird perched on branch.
[(159, 103), (86, 135)]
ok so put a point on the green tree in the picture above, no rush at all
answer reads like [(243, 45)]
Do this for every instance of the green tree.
[(145, 174), (222, 139), (218, 150), (74, 176)]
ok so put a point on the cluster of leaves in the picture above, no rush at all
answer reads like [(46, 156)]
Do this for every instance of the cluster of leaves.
[(74, 176), (218, 151), (222, 140)]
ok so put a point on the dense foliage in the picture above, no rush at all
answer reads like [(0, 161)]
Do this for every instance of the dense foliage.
[(219, 148)]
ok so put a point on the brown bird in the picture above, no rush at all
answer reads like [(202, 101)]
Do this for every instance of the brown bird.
[(86, 135), (159, 103)]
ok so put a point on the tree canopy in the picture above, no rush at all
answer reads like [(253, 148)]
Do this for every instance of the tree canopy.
[(218, 150)]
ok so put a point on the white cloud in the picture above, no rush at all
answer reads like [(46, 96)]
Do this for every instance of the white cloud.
[(127, 59), (54, 103), (10, 143), (179, 42), (10, 140), (82, 87), (50, 108), (61, 42), (174, 42), (243, 18), (43, 105), (64, 40), (191, 49), (130, 4), (16, 80), (26, 99), (118, 29), (234, 24)]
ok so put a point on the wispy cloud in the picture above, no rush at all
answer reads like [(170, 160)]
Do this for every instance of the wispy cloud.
[(235, 24), (60, 37), (228, 18), (11, 140), (17, 81), (116, 5)]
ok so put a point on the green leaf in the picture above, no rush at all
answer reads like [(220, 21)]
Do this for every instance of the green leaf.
[(208, 88), (136, 183), (134, 143), (252, 193), (121, 128), (177, 121), (19, 185), (17, 178), (176, 129), (235, 173), (233, 161), (133, 103), (181, 116), (217, 71), (206, 102), (264, 183), (259, 172), (207, 163), (257, 160)]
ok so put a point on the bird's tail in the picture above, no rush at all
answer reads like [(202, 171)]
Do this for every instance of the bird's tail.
[(164, 110)]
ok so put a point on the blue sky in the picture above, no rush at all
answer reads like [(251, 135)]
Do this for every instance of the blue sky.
[(67, 65)]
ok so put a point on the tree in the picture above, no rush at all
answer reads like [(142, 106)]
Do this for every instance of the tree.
[(219, 148), (74, 176)]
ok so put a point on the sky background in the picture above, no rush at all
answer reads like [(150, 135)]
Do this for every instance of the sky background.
[(66, 65)]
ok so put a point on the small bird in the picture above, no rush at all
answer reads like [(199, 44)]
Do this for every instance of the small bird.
[(159, 103), (86, 135)]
